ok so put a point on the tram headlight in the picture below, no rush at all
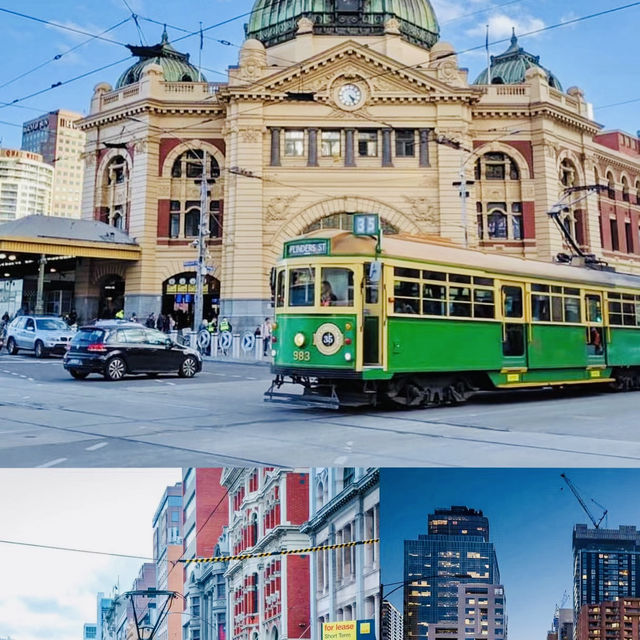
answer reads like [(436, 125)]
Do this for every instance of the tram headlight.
[(347, 357), (300, 340), (348, 327), (274, 353)]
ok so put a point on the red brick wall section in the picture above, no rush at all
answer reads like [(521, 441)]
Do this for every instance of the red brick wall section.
[(297, 498), (163, 218), (529, 220), (610, 140), (100, 214), (167, 145), (209, 493), (298, 596), (605, 213), (635, 223)]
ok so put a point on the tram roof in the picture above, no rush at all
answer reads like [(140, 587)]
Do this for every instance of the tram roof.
[(445, 252)]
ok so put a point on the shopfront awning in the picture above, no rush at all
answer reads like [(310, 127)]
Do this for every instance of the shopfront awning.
[(51, 235)]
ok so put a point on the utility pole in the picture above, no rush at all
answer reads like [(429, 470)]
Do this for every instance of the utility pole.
[(203, 234)]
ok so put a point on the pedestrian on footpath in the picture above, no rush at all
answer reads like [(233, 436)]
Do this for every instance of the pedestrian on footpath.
[(265, 332), (160, 322), (151, 321)]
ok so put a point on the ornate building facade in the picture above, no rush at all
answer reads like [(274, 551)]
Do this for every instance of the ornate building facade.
[(336, 107)]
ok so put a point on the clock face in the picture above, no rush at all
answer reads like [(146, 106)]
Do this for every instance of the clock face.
[(350, 95)]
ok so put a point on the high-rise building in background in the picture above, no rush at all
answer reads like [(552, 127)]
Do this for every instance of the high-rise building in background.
[(455, 551), (103, 606), (344, 506), (26, 184), (205, 515), (481, 612), (391, 624), (606, 565), (89, 631), (268, 597), (619, 620), (167, 549), (562, 627), (56, 137)]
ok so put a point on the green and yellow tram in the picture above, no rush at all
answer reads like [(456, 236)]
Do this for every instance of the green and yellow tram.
[(422, 322)]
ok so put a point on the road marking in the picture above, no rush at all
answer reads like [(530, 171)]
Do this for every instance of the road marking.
[(95, 447), (52, 463)]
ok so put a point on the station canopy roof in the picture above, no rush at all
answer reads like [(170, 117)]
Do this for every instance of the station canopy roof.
[(52, 235)]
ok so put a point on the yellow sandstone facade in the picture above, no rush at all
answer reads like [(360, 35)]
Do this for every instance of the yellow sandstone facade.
[(328, 121)]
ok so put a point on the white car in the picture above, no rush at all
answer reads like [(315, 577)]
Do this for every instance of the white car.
[(41, 334)]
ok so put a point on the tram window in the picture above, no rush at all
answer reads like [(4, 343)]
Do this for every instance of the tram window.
[(434, 300), (572, 309), (594, 308), (372, 282), (403, 272), (540, 308), (540, 287), (406, 305), (555, 289), (483, 306), (615, 312), (629, 314), (512, 302), (280, 289), (568, 291), (434, 275), (406, 288), (486, 282), (556, 309), (301, 287), (340, 287), (456, 277), (460, 302)]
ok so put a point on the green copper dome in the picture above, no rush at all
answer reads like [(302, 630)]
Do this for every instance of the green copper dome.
[(511, 66), (275, 21), (175, 65)]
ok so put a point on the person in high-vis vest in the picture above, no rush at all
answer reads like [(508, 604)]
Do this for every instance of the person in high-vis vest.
[(225, 325), (120, 314)]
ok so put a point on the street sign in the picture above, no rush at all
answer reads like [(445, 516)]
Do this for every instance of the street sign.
[(190, 263), (366, 224), (224, 340), (204, 338), (248, 341)]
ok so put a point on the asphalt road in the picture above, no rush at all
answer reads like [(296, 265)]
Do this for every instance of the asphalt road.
[(47, 419)]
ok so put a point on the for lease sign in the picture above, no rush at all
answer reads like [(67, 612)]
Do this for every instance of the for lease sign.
[(345, 630)]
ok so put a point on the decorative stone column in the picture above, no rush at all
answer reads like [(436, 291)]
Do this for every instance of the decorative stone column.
[(275, 147), (349, 155), (312, 158), (386, 148), (425, 135)]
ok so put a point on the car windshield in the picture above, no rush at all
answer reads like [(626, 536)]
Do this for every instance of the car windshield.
[(88, 336), (51, 324)]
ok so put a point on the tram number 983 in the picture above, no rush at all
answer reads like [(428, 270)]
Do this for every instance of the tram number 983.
[(302, 356)]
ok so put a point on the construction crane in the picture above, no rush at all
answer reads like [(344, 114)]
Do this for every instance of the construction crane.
[(583, 504)]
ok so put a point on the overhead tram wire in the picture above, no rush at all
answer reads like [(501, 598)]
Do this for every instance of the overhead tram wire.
[(74, 550), (135, 19), (61, 55)]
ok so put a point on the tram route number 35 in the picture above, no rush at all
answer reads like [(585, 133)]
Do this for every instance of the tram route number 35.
[(302, 356)]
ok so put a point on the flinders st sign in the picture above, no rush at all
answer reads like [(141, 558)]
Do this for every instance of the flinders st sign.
[(349, 630)]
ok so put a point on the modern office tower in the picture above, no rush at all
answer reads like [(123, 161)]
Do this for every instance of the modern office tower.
[(205, 516), (268, 597), (562, 627), (103, 606), (56, 137), (481, 612), (455, 551), (391, 623), (619, 620), (26, 184), (344, 506), (606, 565), (167, 549)]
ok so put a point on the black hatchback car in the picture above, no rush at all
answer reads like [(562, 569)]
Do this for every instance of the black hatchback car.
[(115, 348)]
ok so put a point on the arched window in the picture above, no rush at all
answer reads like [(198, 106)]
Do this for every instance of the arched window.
[(254, 599), (254, 529), (344, 221), (568, 176), (625, 189), (118, 220), (189, 165), (191, 223), (570, 217), (320, 495), (500, 218), (114, 192), (611, 186), (116, 170)]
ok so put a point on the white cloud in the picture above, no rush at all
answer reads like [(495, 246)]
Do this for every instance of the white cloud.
[(500, 26), (50, 594), (450, 10)]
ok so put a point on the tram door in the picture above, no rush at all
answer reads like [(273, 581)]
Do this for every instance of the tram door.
[(594, 334), (514, 352), (372, 321)]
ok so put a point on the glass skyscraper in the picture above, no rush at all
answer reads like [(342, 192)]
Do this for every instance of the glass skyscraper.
[(456, 550)]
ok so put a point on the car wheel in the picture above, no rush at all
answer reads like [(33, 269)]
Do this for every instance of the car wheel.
[(78, 375), (115, 369), (188, 368), (12, 348), (39, 349)]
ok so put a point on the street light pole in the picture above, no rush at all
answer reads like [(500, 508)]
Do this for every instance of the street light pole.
[(203, 233)]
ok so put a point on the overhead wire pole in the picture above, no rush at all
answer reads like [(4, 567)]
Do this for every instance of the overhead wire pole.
[(203, 232)]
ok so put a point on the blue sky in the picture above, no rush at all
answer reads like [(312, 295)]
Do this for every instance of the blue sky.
[(531, 516), (598, 55)]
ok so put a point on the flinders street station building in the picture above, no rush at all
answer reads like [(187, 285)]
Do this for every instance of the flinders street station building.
[(334, 107)]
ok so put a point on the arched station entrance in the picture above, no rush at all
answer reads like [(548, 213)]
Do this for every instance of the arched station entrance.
[(178, 298)]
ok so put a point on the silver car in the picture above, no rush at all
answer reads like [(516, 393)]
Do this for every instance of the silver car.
[(41, 334)]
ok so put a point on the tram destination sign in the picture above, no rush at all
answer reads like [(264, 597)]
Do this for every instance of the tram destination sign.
[(301, 248)]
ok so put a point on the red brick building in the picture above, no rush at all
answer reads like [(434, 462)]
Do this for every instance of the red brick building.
[(619, 620), (268, 597)]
